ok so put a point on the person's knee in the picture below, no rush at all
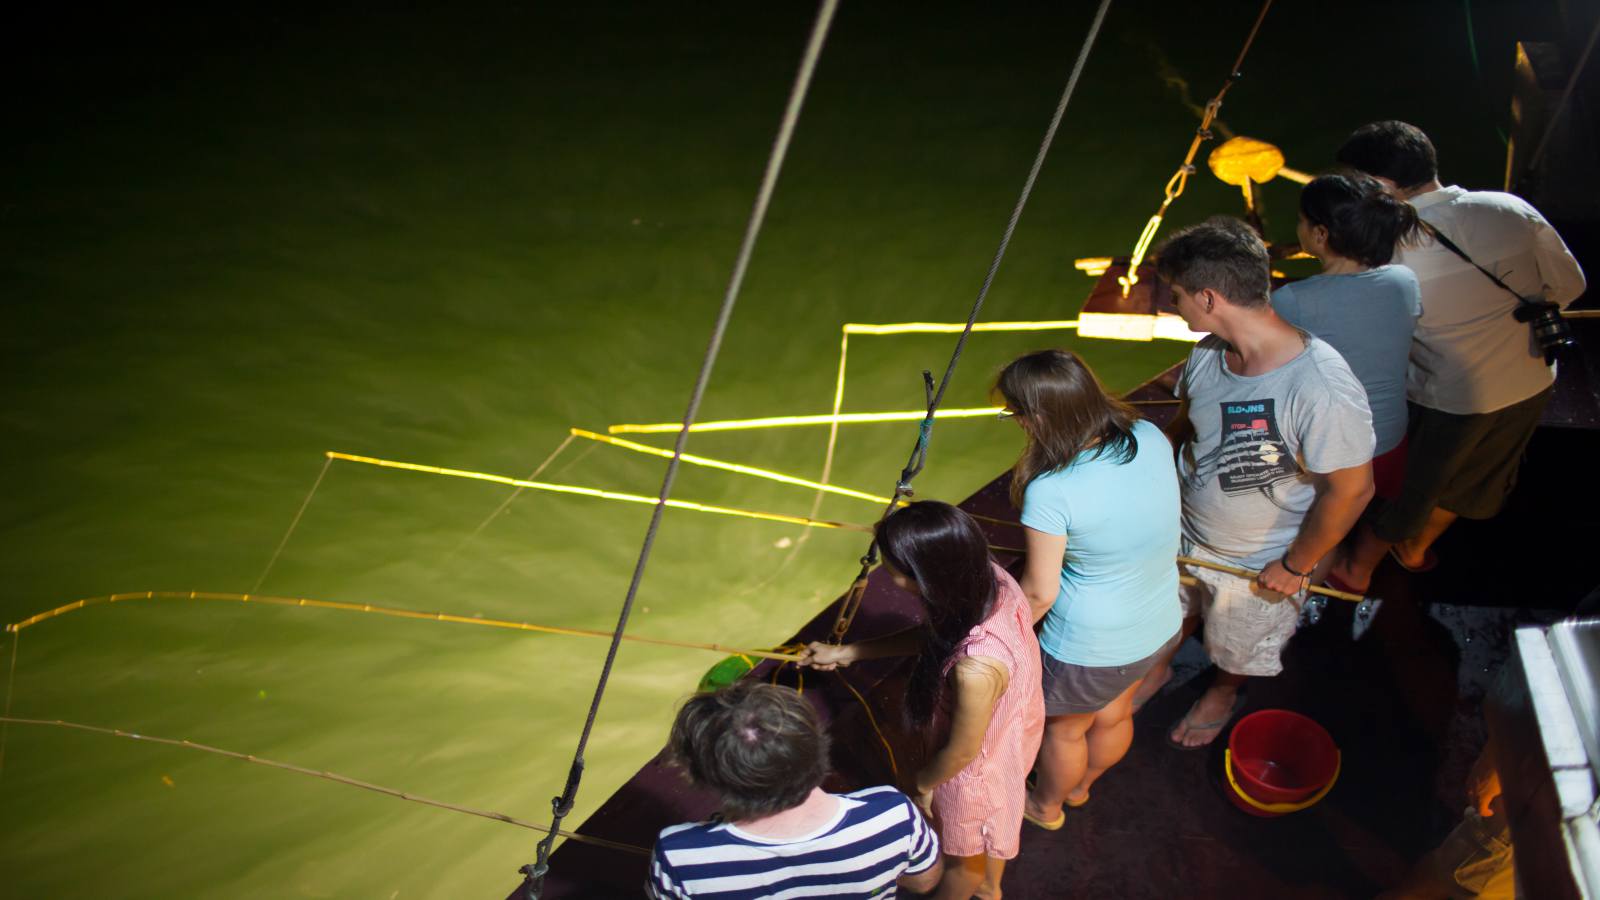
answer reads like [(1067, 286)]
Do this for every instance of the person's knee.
[(1112, 716), (1068, 729)]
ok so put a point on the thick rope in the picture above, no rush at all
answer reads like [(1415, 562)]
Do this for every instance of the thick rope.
[(329, 776), (919, 452), (295, 523), (535, 873)]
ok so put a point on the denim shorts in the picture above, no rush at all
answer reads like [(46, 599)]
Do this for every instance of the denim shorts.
[(1071, 690)]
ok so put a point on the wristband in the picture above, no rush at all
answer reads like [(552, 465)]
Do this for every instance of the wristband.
[(1284, 561)]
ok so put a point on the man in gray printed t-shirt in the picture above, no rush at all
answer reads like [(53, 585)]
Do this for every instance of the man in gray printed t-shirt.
[(1275, 447)]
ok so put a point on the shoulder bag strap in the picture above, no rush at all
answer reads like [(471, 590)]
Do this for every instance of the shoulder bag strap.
[(1453, 248)]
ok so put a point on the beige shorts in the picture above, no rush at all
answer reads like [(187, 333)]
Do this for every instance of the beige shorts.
[(1246, 624)]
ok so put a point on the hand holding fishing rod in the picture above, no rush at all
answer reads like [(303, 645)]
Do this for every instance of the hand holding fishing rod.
[(1366, 607)]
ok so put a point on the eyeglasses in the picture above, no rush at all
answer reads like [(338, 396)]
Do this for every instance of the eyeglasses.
[(1005, 414)]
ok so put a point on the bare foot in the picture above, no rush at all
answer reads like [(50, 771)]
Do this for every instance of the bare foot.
[(1205, 719)]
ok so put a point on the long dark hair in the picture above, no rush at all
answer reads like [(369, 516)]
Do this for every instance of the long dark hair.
[(1364, 222), (1067, 412), (945, 552)]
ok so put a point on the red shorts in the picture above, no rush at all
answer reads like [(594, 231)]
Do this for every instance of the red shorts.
[(1389, 471)]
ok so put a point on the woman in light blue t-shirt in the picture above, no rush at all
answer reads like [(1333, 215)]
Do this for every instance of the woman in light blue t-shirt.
[(1099, 498), (1367, 308), (1363, 305)]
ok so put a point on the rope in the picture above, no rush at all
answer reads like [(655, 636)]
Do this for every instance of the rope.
[(919, 452), (391, 611), (535, 873), (505, 504), (293, 524), (11, 680), (872, 720), (329, 776), (1180, 178)]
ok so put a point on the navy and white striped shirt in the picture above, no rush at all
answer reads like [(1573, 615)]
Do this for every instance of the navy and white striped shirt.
[(876, 837)]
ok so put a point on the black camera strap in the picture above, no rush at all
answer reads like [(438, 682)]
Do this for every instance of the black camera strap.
[(1453, 248)]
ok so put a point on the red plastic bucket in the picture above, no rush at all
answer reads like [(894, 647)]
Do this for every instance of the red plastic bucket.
[(1279, 762)]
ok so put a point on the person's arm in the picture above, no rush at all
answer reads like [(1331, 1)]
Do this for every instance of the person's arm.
[(1179, 430), (827, 657), (1341, 496), (1041, 580), (1560, 273), (925, 881), (979, 681), (924, 864), (661, 885)]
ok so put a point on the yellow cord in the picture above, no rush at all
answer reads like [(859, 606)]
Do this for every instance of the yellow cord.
[(737, 468), (329, 776), (380, 610), (595, 492)]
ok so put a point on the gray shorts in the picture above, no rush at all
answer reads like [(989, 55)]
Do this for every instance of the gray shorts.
[(1071, 690)]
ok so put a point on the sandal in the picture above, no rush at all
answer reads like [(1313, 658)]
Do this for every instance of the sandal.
[(1217, 726), (1047, 826)]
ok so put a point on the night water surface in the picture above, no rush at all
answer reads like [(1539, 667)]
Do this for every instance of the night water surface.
[(231, 245)]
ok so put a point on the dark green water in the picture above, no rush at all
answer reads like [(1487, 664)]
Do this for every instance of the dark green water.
[(230, 246)]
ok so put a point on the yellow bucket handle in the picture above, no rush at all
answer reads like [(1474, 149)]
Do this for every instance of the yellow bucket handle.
[(1279, 808)]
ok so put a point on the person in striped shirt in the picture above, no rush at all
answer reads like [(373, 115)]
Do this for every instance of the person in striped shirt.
[(761, 749)]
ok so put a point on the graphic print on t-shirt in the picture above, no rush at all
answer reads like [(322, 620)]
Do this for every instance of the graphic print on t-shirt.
[(1252, 454)]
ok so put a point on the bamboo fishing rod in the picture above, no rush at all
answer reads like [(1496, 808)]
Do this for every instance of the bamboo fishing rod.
[(1246, 573), (328, 776), (392, 611)]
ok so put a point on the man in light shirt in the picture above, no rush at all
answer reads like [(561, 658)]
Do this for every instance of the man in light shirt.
[(1478, 381), (1274, 443)]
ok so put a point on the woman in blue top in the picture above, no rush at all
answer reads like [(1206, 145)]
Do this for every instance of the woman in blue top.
[(1367, 309), (1099, 497)]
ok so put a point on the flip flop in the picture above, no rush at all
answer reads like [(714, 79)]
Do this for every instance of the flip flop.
[(1047, 826), (1032, 782), (1238, 701), (1074, 805), (1430, 561)]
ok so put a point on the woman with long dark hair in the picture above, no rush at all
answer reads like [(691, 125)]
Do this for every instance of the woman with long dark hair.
[(1099, 496), (1367, 309), (976, 654)]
